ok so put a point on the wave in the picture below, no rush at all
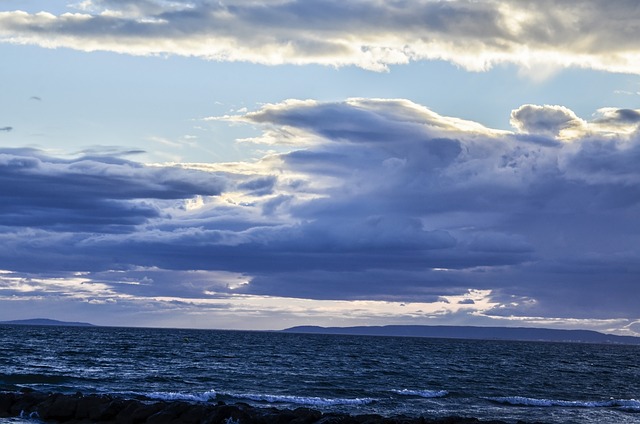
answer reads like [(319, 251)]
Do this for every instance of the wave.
[(626, 405), (631, 405), (259, 397), (202, 397), (422, 393), (302, 400)]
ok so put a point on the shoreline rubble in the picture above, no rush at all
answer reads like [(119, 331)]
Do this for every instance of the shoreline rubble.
[(94, 408)]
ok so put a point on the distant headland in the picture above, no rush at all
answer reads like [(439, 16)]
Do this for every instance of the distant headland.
[(45, 321), (473, 333)]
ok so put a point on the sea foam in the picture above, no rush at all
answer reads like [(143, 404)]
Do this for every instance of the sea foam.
[(422, 393), (631, 405), (302, 400), (259, 397), (169, 396)]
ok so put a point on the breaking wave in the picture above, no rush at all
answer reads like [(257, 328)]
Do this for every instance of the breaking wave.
[(302, 400), (259, 397), (202, 397), (631, 405)]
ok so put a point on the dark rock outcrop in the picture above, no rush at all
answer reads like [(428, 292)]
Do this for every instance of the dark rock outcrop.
[(85, 409)]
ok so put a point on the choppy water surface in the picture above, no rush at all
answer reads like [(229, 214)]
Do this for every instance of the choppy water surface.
[(549, 382)]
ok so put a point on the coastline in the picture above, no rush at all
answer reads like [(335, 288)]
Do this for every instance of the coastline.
[(93, 408)]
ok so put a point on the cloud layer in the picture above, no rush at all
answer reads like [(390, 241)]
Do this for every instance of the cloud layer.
[(376, 200), (93, 194), (540, 34)]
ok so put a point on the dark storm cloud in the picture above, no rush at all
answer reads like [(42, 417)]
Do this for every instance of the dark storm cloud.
[(516, 211), (419, 286), (377, 200), (596, 34), (259, 186), (92, 193)]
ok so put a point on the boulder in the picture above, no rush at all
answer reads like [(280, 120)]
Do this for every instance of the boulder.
[(26, 403), (332, 418), (58, 407), (370, 419), (6, 400), (170, 412), (228, 414), (107, 412), (138, 412), (305, 416), (194, 414), (88, 406)]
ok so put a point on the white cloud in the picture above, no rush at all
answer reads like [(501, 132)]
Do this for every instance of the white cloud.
[(552, 121), (537, 35), (562, 123)]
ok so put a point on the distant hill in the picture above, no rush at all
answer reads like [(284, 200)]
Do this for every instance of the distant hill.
[(44, 321), (473, 333)]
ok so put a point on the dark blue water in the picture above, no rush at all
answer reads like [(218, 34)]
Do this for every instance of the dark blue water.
[(550, 382)]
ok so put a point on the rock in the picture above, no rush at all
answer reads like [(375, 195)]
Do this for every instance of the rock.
[(336, 419), (107, 412), (138, 412), (100, 409), (229, 414), (25, 403), (274, 416), (125, 416), (88, 406), (58, 407), (171, 411), (370, 419), (305, 416), (194, 415), (6, 400)]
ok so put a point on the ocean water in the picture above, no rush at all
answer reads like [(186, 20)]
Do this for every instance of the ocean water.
[(532, 381)]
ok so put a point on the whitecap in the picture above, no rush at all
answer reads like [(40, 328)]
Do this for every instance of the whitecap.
[(626, 404), (169, 396), (302, 400), (422, 393)]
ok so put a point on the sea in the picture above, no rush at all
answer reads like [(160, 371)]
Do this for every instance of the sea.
[(504, 380)]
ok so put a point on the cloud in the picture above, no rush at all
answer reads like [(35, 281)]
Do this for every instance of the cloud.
[(559, 122), (617, 120), (90, 193), (494, 209), (6, 129), (535, 35), (375, 200), (553, 121)]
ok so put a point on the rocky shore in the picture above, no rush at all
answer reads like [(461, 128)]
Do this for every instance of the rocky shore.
[(79, 408)]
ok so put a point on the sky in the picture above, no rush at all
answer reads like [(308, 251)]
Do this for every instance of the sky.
[(260, 164)]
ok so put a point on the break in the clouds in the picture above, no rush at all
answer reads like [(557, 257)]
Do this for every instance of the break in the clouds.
[(540, 34), (376, 200)]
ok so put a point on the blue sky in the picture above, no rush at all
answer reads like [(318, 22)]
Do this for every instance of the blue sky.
[(264, 164)]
